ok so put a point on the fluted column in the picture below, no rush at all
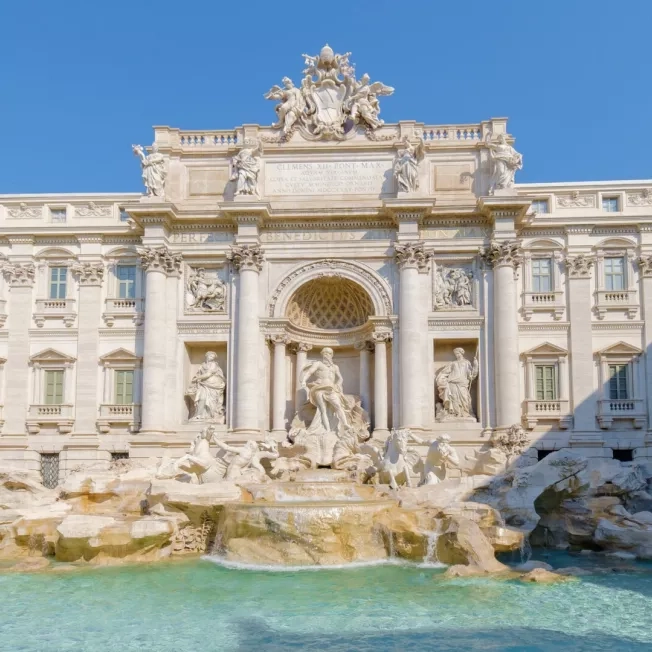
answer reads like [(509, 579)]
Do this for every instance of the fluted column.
[(90, 276), (411, 260), (21, 282), (279, 384), (365, 366), (156, 262), (380, 383), (302, 349), (248, 260), (645, 270), (505, 257)]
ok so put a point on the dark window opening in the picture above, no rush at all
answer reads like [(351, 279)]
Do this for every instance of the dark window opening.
[(541, 454), (623, 454)]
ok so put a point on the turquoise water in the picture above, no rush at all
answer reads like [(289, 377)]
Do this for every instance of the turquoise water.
[(200, 605)]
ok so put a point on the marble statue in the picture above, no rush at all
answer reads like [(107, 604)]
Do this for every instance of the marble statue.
[(512, 441), (330, 101), (204, 294), (329, 413), (505, 160), (206, 391), (398, 459), (440, 457), (453, 383), (244, 462), (453, 287), (406, 166), (245, 166), (155, 170)]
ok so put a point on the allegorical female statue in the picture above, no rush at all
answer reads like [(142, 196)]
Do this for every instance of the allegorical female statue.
[(406, 167), (155, 170), (505, 161), (454, 388), (206, 391), (245, 166)]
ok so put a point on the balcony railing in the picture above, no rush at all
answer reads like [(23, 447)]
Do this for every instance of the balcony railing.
[(553, 410), (60, 416), (123, 309), (55, 309), (127, 416), (543, 302), (624, 408), (606, 300)]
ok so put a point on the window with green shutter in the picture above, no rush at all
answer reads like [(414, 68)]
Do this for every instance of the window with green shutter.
[(546, 382), (54, 387), (618, 378), (124, 386)]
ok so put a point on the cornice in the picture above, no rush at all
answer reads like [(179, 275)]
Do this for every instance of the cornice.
[(455, 323), (633, 326), (121, 332), (536, 327), (199, 328)]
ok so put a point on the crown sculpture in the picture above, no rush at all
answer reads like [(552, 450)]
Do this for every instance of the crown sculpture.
[(330, 101)]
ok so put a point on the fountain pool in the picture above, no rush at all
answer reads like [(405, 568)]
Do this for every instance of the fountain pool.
[(201, 605)]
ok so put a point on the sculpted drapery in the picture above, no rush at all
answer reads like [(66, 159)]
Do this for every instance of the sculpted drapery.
[(454, 387), (206, 391)]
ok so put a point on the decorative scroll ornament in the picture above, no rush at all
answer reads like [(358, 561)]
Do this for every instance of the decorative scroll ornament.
[(330, 101), (503, 253), (643, 198), (453, 287), (93, 210), (304, 347), (23, 211), (160, 258), (245, 167), (381, 336), (575, 200), (406, 166), (279, 338), (89, 273), (412, 255), (204, 293), (645, 265), (155, 169), (246, 257), (505, 160), (19, 275), (579, 266)]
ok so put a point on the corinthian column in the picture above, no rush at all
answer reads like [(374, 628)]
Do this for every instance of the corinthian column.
[(300, 397), (279, 384), (365, 389), (505, 257), (90, 276), (156, 262), (411, 260), (248, 260), (645, 269), (380, 384)]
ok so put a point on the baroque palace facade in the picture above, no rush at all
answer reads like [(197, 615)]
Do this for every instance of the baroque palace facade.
[(454, 300)]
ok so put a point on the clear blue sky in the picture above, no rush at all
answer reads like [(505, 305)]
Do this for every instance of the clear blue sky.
[(81, 80)]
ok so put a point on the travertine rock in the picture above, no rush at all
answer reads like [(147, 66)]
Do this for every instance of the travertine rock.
[(542, 576)]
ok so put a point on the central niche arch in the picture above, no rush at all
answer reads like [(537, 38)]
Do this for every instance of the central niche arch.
[(329, 303)]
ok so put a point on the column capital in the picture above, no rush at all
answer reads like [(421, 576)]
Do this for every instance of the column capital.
[(246, 257), (160, 259), (381, 337), (19, 274), (412, 255), (579, 266), (499, 253), (278, 339), (89, 274), (645, 265), (364, 345), (304, 347)]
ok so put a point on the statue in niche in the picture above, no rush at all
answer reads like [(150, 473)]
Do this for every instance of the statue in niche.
[(453, 287), (440, 457), (206, 391), (453, 384), (244, 462), (328, 415), (505, 160), (245, 166), (203, 293), (406, 166), (154, 167)]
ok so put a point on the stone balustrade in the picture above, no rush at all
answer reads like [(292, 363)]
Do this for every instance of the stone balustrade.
[(120, 416), (64, 309), (41, 415), (552, 302), (133, 309), (630, 409), (557, 411)]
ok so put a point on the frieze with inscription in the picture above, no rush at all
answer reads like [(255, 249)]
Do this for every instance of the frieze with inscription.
[(201, 237), (327, 236), (456, 232)]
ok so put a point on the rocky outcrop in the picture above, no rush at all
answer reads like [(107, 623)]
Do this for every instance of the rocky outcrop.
[(543, 576)]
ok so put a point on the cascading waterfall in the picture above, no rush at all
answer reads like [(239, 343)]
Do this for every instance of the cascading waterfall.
[(525, 549), (431, 556)]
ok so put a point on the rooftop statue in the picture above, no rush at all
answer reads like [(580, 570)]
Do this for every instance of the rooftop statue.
[(505, 160), (330, 101), (155, 169), (406, 166), (245, 166)]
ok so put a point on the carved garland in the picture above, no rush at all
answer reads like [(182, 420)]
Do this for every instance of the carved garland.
[(89, 273), (332, 266), (579, 266), (645, 265), (19, 275)]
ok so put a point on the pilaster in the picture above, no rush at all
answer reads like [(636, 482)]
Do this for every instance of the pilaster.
[(645, 273)]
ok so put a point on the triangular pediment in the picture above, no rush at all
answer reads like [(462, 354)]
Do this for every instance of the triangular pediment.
[(51, 355), (120, 355), (547, 348), (620, 348)]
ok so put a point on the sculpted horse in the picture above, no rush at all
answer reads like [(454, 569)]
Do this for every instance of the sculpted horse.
[(398, 459)]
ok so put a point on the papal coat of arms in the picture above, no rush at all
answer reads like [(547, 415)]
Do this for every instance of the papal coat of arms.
[(330, 101)]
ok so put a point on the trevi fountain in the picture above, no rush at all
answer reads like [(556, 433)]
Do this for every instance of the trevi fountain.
[(332, 473)]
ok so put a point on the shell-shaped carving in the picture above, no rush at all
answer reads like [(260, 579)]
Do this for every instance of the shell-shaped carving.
[(329, 303)]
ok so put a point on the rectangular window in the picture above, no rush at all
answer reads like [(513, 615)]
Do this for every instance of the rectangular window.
[(610, 204), (58, 282), (58, 214), (124, 386), (546, 382), (126, 281), (54, 387), (542, 274), (618, 381), (124, 216), (116, 457), (50, 469), (614, 273), (540, 206)]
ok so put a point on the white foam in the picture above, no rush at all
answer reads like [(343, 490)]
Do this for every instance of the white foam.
[(272, 568)]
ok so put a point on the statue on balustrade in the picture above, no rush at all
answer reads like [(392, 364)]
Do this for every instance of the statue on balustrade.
[(203, 293), (329, 414), (155, 170), (453, 383), (406, 166), (505, 160), (206, 391), (245, 166)]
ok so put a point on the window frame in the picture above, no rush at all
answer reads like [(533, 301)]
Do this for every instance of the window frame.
[(58, 283), (128, 282), (608, 260), (611, 198), (118, 395), (622, 375), (537, 260), (554, 367)]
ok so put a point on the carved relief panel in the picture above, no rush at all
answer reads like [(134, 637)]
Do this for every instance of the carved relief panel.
[(454, 285), (204, 290)]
